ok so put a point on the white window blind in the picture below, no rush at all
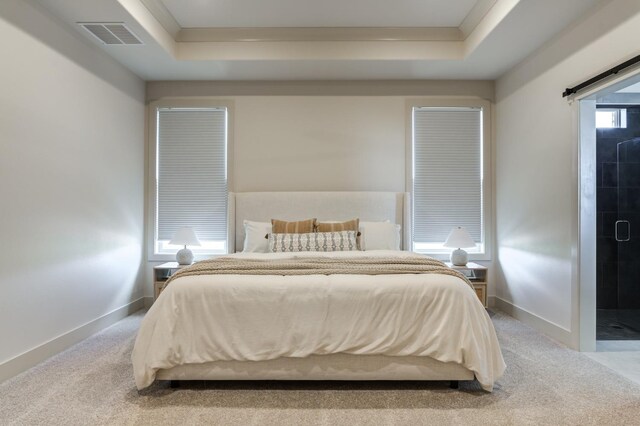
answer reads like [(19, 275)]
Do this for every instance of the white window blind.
[(447, 173), (192, 172)]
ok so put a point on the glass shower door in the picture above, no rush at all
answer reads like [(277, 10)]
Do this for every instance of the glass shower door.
[(627, 234)]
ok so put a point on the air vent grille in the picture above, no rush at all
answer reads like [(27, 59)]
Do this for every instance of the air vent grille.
[(111, 32)]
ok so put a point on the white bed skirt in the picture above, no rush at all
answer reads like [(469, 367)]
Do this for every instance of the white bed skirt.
[(322, 367)]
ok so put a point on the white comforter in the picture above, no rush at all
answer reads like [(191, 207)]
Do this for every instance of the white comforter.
[(200, 319)]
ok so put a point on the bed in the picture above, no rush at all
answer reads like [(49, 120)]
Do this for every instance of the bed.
[(333, 326)]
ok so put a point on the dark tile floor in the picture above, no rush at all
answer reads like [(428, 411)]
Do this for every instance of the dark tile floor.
[(618, 324)]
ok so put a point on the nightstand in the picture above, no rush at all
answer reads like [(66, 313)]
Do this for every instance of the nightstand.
[(477, 274), (161, 274)]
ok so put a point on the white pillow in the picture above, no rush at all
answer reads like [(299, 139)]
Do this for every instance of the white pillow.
[(379, 236), (254, 237)]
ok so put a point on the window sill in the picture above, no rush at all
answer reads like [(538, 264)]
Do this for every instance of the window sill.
[(156, 257), (444, 256)]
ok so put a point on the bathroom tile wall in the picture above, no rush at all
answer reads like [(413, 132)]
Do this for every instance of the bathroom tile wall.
[(618, 271), (629, 210)]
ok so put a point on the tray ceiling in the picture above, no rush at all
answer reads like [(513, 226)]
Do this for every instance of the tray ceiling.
[(329, 39)]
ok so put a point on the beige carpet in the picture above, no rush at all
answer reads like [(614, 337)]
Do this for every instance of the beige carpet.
[(545, 383)]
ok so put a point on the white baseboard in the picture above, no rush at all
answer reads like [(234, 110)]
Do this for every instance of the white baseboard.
[(26, 360), (548, 328), (148, 301)]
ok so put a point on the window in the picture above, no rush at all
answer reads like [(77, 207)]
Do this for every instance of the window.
[(190, 176), (449, 182), (611, 118)]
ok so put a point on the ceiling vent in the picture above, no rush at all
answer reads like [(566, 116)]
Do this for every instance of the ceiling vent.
[(111, 32)]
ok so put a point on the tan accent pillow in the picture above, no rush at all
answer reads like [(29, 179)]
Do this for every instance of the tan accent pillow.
[(349, 225), (300, 227)]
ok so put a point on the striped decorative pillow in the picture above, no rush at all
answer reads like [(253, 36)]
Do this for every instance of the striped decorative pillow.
[(300, 227), (313, 241), (350, 225)]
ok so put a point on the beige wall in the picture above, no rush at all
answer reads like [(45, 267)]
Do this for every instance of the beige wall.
[(321, 143), (536, 167), (161, 89), (313, 136), (71, 187), (308, 136)]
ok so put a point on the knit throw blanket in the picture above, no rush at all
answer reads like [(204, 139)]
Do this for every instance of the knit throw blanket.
[(318, 266)]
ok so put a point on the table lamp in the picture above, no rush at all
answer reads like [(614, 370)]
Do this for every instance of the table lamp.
[(185, 236), (459, 238)]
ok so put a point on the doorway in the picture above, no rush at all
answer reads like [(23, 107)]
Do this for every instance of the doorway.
[(618, 222), (608, 232), (610, 161)]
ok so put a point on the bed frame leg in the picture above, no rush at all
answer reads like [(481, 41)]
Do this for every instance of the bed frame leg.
[(174, 384), (454, 384)]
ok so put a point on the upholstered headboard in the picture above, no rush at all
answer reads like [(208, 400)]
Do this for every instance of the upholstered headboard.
[(367, 206)]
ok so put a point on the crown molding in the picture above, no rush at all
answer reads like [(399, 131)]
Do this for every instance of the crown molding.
[(164, 17), (318, 34), (284, 34), (322, 43), (321, 50), (475, 16)]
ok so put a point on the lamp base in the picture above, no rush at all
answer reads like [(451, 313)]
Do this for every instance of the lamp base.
[(184, 256), (459, 257)]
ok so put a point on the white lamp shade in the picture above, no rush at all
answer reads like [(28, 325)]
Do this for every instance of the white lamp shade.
[(185, 236), (459, 238)]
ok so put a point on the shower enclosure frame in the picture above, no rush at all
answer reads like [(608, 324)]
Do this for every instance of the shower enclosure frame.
[(584, 233)]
